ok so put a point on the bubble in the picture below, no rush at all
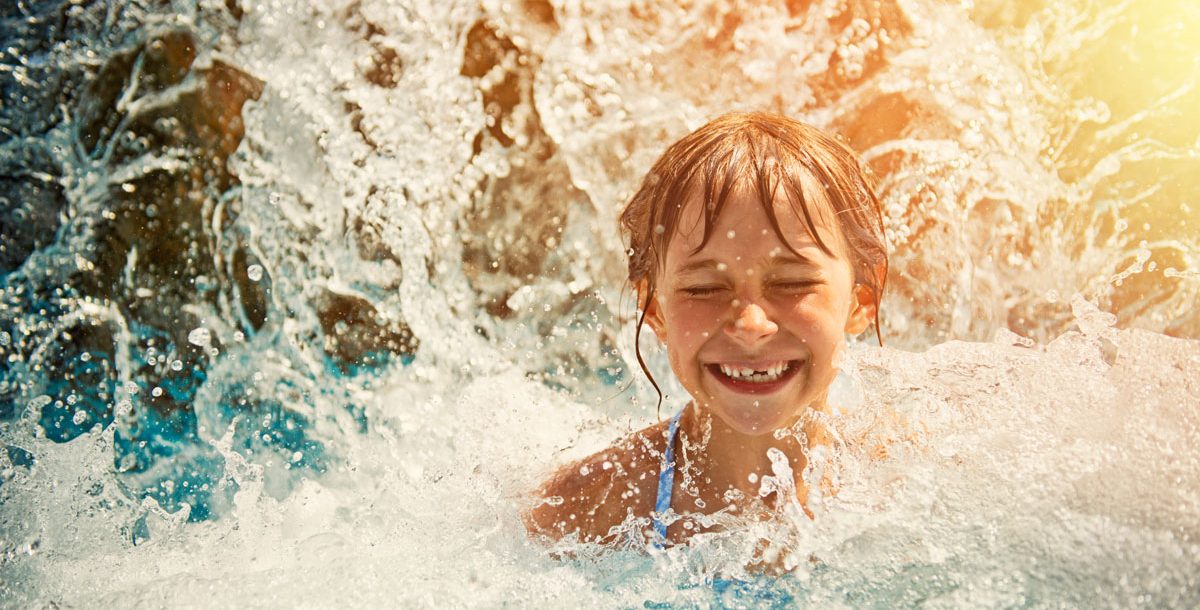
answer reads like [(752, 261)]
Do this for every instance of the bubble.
[(156, 392), (123, 408), (176, 365), (254, 272), (200, 337), (731, 234), (79, 417)]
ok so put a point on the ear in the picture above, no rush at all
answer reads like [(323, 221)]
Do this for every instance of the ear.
[(862, 309), (654, 318)]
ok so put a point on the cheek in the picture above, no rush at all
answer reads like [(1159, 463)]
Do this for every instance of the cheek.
[(691, 319), (682, 338), (821, 323), (688, 328)]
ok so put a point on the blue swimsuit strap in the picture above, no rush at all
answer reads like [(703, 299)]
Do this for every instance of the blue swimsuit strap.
[(666, 480)]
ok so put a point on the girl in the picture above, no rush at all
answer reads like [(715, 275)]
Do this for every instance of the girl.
[(756, 246)]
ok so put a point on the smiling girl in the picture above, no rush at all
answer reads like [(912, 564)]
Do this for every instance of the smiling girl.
[(756, 247)]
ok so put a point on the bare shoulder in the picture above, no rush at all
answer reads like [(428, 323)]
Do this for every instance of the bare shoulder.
[(601, 491)]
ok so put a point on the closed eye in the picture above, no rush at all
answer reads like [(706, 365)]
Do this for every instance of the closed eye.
[(702, 291), (796, 285)]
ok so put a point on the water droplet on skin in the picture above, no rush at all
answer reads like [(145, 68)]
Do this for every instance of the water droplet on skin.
[(731, 234), (659, 229), (254, 272)]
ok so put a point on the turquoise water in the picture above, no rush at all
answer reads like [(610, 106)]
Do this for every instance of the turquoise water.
[(299, 302)]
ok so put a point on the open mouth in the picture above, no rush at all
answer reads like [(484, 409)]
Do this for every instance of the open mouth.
[(760, 378)]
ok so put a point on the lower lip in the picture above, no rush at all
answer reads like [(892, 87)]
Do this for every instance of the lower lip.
[(754, 387)]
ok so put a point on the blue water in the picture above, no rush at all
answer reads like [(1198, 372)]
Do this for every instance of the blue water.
[(347, 279)]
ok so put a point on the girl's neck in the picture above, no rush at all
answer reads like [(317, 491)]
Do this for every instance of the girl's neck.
[(717, 459)]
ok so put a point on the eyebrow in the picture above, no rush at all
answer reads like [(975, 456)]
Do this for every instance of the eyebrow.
[(789, 259), (786, 259), (707, 263)]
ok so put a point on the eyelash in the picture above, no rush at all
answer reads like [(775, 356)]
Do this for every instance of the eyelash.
[(703, 291), (796, 285)]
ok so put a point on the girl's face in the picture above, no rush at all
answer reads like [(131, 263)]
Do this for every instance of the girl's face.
[(752, 330)]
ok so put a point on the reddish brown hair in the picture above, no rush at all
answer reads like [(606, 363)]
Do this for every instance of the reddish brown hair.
[(766, 152)]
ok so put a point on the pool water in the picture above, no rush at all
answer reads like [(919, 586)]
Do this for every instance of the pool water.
[(299, 302)]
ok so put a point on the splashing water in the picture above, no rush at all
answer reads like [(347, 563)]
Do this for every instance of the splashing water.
[(299, 302)]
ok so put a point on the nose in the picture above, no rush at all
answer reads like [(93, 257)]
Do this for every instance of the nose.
[(751, 325)]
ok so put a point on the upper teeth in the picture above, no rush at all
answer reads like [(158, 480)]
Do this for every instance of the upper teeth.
[(770, 373)]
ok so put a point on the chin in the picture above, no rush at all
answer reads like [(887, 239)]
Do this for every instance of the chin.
[(755, 421)]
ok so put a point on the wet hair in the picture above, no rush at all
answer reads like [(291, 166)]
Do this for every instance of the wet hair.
[(768, 153)]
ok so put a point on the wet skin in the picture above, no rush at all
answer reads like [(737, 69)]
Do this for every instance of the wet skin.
[(752, 331), (748, 301)]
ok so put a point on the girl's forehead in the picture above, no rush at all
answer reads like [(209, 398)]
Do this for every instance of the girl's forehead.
[(743, 219)]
